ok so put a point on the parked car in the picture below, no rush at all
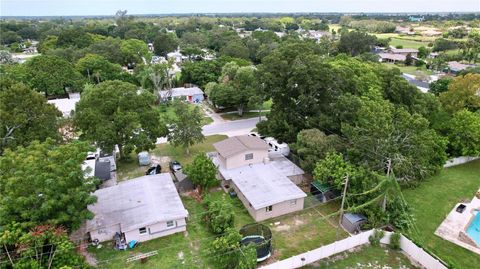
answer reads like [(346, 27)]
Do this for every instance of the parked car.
[(175, 166), (153, 170)]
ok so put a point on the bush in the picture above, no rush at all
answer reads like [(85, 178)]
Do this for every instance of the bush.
[(395, 241), (376, 237), (220, 215)]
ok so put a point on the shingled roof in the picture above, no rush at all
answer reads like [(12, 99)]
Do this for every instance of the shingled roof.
[(238, 144)]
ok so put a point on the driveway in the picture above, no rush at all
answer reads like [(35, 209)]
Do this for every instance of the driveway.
[(231, 128)]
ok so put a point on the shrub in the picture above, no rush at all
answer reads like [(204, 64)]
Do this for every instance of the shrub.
[(220, 215), (376, 237), (395, 241)]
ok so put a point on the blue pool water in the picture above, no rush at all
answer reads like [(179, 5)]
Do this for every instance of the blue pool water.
[(473, 229)]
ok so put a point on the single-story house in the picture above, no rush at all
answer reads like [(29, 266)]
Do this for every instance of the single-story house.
[(455, 67), (192, 94), (353, 222), (391, 57), (405, 52), (66, 105), (139, 209), (262, 184)]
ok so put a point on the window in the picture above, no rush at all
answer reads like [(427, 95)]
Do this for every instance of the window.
[(293, 202), (142, 230), (170, 223), (248, 156), (268, 208)]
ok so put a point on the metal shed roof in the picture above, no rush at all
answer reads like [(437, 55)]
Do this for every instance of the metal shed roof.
[(354, 218)]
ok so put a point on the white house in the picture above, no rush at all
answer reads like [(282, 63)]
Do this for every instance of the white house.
[(265, 186), (191, 94), (139, 209), (66, 105)]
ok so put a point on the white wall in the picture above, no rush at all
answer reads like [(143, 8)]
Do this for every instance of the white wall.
[(413, 251), (155, 230), (459, 160), (238, 160)]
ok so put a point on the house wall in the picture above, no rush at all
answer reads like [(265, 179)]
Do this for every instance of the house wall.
[(105, 233), (156, 230), (198, 97), (239, 159), (277, 209)]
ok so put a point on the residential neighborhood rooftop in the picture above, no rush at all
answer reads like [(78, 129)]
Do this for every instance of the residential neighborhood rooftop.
[(182, 91), (265, 184), (137, 203), (237, 144)]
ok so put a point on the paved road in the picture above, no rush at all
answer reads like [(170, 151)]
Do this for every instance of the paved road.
[(231, 128)]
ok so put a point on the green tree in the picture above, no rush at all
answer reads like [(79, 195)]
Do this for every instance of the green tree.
[(44, 183), (97, 69), (6, 57), (355, 43), (51, 75), (381, 131), (114, 113), (463, 92), (48, 43), (186, 128), (165, 43), (235, 49), (74, 37), (408, 60), (202, 172), (110, 48), (25, 116), (463, 132), (439, 86), (422, 52), (313, 145), (239, 85), (228, 253), (220, 215), (43, 246), (134, 51)]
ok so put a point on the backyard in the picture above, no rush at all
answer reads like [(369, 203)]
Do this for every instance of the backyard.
[(365, 257), (292, 234), (434, 199)]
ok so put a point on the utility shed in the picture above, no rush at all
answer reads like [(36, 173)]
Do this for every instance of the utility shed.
[(352, 222), (139, 209), (102, 170)]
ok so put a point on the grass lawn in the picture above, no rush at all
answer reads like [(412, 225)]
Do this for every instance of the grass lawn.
[(178, 153), (434, 199), (366, 257), (412, 70), (169, 113), (246, 115), (407, 44), (299, 232)]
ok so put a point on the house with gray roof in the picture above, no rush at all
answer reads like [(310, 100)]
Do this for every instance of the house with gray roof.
[(191, 94), (139, 209), (263, 182)]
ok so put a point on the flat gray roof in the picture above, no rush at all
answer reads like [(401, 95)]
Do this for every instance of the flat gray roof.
[(137, 203), (265, 184)]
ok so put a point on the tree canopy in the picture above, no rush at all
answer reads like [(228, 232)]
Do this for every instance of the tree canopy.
[(44, 183), (115, 113), (186, 127), (25, 116), (202, 172)]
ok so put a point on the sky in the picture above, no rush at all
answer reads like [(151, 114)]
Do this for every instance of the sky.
[(109, 7)]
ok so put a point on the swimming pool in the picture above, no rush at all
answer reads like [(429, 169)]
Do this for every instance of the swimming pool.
[(473, 229)]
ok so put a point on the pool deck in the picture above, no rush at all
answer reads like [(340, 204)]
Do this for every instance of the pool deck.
[(456, 222)]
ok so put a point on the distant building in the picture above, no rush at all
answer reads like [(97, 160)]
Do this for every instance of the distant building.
[(138, 209), (416, 19), (66, 105), (455, 67), (405, 52), (391, 58), (192, 94)]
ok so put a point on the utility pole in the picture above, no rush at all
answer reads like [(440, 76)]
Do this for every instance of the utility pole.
[(389, 167), (343, 203)]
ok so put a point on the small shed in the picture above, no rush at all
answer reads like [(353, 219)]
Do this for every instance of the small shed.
[(352, 222), (323, 192), (143, 158)]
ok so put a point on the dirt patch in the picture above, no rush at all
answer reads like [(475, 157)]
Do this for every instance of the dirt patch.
[(282, 228), (298, 222)]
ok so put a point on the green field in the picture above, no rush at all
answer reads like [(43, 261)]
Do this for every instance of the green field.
[(366, 257), (434, 199), (412, 70), (408, 44)]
